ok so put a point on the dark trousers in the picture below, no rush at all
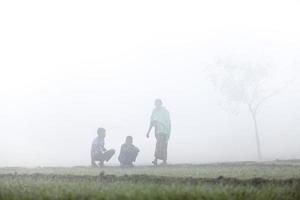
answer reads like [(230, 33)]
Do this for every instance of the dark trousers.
[(128, 157)]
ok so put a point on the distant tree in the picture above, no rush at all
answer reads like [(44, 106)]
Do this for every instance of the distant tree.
[(244, 84)]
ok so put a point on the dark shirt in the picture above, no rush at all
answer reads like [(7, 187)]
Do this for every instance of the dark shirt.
[(128, 150)]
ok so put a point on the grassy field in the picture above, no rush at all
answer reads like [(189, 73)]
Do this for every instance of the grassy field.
[(244, 180)]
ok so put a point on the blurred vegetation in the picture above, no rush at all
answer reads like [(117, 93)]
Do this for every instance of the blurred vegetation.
[(245, 180)]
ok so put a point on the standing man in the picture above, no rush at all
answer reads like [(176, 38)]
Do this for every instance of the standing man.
[(160, 120)]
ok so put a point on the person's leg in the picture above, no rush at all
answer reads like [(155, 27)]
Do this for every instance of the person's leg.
[(154, 162), (161, 148), (97, 157), (159, 151), (165, 150), (101, 163), (123, 159), (134, 155), (108, 154), (127, 163), (130, 157), (156, 152), (93, 163)]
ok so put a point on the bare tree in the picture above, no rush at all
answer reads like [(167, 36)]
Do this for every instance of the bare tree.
[(244, 84)]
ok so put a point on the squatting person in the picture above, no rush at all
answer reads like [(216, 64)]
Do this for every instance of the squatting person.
[(160, 120), (98, 151), (128, 153)]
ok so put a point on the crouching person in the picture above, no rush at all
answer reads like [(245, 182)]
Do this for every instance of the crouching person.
[(128, 153), (98, 151)]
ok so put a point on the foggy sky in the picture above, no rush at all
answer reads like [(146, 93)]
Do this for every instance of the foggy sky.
[(69, 67)]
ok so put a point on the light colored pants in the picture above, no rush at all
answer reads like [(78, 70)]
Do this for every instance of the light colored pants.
[(103, 156)]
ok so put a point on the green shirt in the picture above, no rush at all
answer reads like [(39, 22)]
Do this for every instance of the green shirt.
[(161, 118)]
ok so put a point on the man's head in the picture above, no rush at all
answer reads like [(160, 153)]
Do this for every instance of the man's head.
[(158, 103), (101, 132), (129, 140)]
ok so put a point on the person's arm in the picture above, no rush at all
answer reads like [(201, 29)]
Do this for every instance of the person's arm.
[(101, 146), (137, 149), (150, 128)]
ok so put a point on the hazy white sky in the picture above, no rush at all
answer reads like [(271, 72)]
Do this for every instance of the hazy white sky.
[(68, 67)]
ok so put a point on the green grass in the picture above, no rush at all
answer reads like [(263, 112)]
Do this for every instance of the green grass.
[(242, 170), (43, 189), (171, 182)]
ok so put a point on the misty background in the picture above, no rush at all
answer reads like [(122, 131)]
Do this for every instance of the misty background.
[(69, 67)]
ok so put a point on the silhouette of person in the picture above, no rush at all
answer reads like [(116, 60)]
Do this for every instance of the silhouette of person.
[(160, 120), (98, 151), (128, 153)]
